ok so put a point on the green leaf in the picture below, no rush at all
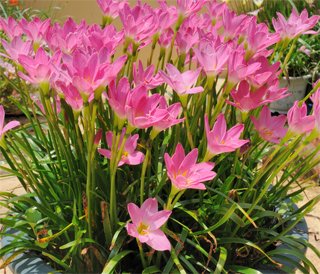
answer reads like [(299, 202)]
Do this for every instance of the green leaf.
[(110, 265), (151, 269), (33, 216), (244, 269), (221, 261)]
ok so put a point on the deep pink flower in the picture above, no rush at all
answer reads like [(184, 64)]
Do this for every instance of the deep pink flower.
[(170, 119), (130, 155), (11, 27), (146, 224), (298, 120), (144, 111), (220, 140), (270, 128), (146, 77), (118, 97), (184, 172), (139, 23), (167, 15), (166, 38), (181, 83), (212, 55), (17, 47), (296, 24), (188, 35), (316, 114), (4, 128), (110, 8), (216, 10)]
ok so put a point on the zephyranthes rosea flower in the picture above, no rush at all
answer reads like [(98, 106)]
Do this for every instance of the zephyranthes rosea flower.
[(270, 128), (184, 172), (221, 140), (130, 155), (146, 224), (298, 120), (4, 128), (296, 24)]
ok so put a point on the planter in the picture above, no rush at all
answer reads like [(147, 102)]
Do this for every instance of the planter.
[(297, 87), (26, 263), (29, 263)]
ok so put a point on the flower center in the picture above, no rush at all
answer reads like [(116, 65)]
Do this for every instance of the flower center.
[(143, 229), (267, 132)]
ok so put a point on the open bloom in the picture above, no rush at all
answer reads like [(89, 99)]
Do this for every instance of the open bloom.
[(270, 128), (4, 128), (146, 77), (296, 24), (146, 224), (17, 47), (181, 83), (298, 120), (184, 172), (220, 140), (130, 155), (111, 8)]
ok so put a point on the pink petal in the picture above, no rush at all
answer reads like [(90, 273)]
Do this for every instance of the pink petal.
[(150, 205), (158, 219), (158, 241), (136, 214), (10, 125)]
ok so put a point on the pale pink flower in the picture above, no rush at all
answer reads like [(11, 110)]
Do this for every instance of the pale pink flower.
[(130, 155), (139, 23), (187, 7), (221, 140), (146, 77), (296, 24), (305, 50), (16, 47), (270, 128), (146, 224), (11, 27), (184, 172), (181, 83), (4, 128), (40, 68), (144, 111), (166, 38), (36, 29), (298, 120), (167, 15), (118, 97), (173, 111), (212, 55), (110, 8)]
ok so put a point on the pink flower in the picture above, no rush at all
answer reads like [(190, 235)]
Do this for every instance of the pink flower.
[(40, 68), (91, 73), (144, 111), (184, 172), (170, 119), (270, 128), (316, 96), (220, 140), (36, 29), (298, 120), (146, 224), (71, 95), (188, 35), (11, 27), (166, 38), (110, 8), (5, 128), (17, 47), (118, 97), (181, 83), (139, 23), (296, 24), (130, 155), (187, 7), (316, 114), (54, 105), (212, 55), (146, 77)]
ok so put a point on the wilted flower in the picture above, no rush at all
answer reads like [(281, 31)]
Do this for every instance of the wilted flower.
[(146, 224)]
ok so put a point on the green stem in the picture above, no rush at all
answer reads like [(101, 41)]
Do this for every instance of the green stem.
[(143, 259), (189, 134), (143, 172)]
